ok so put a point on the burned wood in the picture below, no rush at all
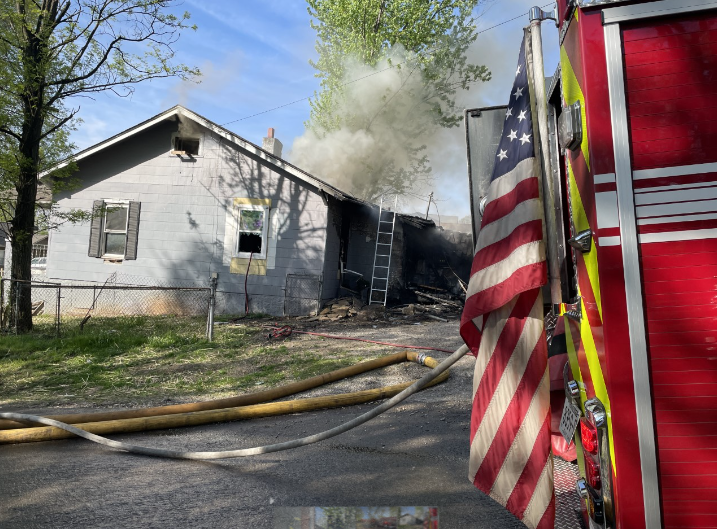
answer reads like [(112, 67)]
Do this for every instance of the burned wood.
[(439, 300), (435, 289)]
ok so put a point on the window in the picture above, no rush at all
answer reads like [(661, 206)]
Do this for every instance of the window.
[(185, 145), (252, 231), (114, 229)]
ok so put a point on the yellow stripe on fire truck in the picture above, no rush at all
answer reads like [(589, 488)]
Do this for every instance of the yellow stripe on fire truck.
[(572, 92)]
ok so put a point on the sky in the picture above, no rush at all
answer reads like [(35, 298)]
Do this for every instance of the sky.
[(254, 56)]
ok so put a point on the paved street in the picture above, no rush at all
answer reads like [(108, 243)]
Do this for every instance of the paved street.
[(415, 454)]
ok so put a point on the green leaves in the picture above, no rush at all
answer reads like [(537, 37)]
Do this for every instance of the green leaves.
[(415, 54)]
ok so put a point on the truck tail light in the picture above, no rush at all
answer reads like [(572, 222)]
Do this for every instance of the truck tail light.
[(592, 472), (589, 436)]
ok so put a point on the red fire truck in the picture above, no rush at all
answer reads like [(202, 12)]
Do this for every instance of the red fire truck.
[(631, 216)]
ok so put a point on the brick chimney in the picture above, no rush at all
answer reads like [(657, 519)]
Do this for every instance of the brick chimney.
[(271, 144)]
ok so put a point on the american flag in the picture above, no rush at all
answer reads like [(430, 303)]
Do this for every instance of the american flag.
[(502, 323)]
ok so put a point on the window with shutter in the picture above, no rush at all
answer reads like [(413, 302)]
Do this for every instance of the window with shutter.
[(96, 229), (114, 230)]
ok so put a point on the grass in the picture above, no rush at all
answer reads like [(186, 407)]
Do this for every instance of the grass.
[(148, 359)]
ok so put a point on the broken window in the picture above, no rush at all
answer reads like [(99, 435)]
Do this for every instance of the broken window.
[(252, 231), (187, 146)]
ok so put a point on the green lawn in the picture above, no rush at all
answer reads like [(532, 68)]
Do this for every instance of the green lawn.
[(148, 359)]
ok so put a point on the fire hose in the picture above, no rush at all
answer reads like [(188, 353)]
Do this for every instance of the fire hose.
[(400, 392)]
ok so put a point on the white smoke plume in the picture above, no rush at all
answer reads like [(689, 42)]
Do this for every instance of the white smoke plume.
[(385, 117)]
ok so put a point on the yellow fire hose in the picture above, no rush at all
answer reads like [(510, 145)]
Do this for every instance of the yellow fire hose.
[(231, 402), (141, 422)]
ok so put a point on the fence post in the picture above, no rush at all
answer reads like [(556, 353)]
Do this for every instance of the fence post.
[(17, 303), (57, 314), (2, 303), (212, 298)]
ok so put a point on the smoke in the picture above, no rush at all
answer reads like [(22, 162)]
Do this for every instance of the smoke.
[(386, 120), (216, 80)]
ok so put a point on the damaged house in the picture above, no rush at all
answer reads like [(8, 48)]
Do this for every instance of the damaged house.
[(180, 198)]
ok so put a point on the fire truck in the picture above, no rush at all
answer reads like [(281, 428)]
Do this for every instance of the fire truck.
[(629, 134)]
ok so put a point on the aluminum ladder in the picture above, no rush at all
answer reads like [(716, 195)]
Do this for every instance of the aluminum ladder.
[(382, 255)]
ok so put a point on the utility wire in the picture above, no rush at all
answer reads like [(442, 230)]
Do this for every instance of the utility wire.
[(368, 75)]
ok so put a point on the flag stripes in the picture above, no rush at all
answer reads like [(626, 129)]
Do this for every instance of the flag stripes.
[(502, 323)]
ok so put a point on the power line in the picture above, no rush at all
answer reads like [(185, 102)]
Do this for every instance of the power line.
[(369, 75), (305, 98)]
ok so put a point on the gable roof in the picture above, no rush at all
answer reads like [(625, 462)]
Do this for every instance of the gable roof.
[(240, 142), (228, 135)]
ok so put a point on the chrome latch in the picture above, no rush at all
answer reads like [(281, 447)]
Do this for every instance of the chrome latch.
[(572, 389), (582, 241)]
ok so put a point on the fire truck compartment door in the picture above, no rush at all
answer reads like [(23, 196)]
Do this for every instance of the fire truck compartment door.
[(484, 127)]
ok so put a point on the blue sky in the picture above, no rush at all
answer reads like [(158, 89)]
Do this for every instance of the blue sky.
[(254, 56)]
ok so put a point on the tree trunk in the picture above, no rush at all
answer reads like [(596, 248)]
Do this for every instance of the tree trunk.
[(34, 53), (23, 227)]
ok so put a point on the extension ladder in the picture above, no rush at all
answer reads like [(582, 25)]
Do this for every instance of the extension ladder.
[(382, 256)]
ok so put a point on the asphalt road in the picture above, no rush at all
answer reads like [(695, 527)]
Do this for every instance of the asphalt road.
[(415, 454)]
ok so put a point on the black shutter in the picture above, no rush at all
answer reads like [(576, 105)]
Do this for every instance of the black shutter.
[(132, 231), (96, 229)]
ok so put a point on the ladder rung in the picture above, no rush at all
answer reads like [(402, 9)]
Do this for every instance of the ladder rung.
[(379, 266), (379, 290), (384, 243), (385, 233)]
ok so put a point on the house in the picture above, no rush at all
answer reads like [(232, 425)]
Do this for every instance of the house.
[(179, 198)]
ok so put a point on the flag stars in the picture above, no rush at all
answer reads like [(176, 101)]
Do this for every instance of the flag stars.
[(513, 135), (502, 155), (521, 116), (517, 72), (525, 138), (518, 92), (509, 113)]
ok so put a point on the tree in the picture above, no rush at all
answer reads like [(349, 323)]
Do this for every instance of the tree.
[(54, 52), (424, 44)]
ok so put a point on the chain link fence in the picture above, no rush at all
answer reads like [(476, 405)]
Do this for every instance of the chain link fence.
[(61, 303)]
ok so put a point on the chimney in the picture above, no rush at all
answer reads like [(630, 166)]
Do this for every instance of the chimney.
[(271, 144)]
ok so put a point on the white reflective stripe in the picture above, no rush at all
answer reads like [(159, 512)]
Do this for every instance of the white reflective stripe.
[(606, 208), (681, 170), (679, 195), (654, 9), (675, 186), (631, 271), (679, 208), (689, 235), (604, 178), (681, 218), (609, 241)]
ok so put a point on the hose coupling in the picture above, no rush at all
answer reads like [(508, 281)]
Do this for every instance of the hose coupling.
[(421, 358)]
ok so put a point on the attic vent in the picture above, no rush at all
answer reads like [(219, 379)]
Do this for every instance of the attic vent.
[(186, 146)]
